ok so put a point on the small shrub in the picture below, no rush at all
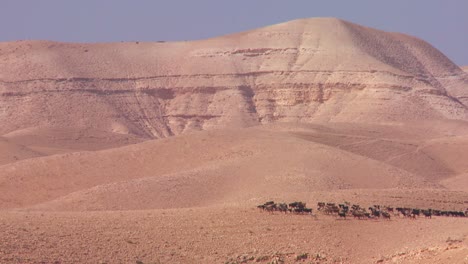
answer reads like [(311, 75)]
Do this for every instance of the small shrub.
[(276, 260), (302, 256), (262, 258)]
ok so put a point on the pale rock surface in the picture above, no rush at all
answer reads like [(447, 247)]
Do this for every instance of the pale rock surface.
[(320, 69)]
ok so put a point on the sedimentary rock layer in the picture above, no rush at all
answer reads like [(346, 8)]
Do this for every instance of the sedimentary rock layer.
[(306, 70)]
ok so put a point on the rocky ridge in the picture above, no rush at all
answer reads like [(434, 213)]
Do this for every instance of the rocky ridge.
[(321, 69)]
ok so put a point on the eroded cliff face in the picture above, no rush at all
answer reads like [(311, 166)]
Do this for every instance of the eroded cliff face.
[(300, 71)]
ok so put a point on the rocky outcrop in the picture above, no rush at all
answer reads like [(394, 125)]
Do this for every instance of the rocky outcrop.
[(300, 71)]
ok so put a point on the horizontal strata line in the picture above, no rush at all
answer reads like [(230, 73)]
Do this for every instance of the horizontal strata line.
[(79, 79), (151, 91), (168, 92), (193, 116)]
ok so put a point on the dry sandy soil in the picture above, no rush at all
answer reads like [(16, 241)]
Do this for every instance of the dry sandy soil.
[(160, 152), (226, 235), (196, 202)]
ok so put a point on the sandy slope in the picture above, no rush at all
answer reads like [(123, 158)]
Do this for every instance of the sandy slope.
[(57, 139), (37, 142), (240, 166), (11, 152), (238, 161), (465, 68)]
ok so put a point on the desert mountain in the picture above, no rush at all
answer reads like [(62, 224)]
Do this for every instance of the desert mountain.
[(465, 68), (306, 70), (159, 152)]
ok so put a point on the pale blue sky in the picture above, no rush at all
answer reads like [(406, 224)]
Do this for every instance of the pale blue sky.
[(444, 24)]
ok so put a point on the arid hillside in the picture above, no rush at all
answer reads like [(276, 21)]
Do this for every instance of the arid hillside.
[(192, 198), (162, 152), (320, 69), (244, 167)]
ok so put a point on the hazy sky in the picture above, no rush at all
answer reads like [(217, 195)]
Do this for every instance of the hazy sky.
[(442, 23)]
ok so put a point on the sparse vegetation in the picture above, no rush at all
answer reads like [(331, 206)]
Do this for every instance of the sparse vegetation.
[(262, 258), (276, 258), (302, 256), (319, 257), (240, 259)]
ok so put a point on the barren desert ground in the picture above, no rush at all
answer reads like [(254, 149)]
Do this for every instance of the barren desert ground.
[(143, 152)]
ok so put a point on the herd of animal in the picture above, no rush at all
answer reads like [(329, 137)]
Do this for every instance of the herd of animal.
[(295, 207), (347, 210)]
